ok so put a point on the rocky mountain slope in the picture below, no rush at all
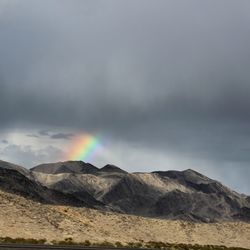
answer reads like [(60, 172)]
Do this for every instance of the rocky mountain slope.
[(171, 194), (186, 195), (18, 180)]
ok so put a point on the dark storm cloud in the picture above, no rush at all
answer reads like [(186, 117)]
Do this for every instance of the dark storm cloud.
[(167, 75), (44, 132), (62, 136), (96, 71), (51, 135)]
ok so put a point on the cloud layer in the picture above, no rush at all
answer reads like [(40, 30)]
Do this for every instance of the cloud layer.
[(167, 79)]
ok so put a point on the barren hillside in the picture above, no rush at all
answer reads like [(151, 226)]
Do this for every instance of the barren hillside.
[(21, 217)]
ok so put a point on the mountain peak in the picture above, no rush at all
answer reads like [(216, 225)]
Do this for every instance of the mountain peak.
[(73, 167), (112, 168), (185, 175), (190, 173)]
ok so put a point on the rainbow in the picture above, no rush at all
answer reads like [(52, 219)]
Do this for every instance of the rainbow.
[(84, 147)]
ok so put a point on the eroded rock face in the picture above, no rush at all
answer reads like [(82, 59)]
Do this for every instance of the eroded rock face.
[(186, 195)]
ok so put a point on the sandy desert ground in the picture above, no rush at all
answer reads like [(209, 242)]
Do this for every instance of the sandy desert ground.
[(20, 217)]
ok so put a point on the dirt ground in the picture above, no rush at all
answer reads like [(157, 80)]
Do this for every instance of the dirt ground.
[(24, 218)]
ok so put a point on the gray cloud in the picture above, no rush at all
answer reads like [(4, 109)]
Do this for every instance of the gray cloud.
[(51, 135), (29, 156), (62, 136), (171, 76), (44, 132), (4, 141), (33, 135)]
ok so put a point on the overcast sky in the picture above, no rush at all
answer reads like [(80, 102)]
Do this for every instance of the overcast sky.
[(166, 83)]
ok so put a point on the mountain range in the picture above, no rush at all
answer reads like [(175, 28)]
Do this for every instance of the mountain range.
[(186, 195)]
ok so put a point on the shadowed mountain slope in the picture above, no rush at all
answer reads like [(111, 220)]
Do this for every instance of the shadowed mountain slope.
[(18, 180)]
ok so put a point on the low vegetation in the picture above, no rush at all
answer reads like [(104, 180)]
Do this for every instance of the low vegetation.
[(6, 240), (137, 245)]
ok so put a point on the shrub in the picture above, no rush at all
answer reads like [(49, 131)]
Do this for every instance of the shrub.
[(118, 244), (22, 240), (86, 243)]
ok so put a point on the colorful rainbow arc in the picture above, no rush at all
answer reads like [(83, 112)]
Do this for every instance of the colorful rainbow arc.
[(84, 147)]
